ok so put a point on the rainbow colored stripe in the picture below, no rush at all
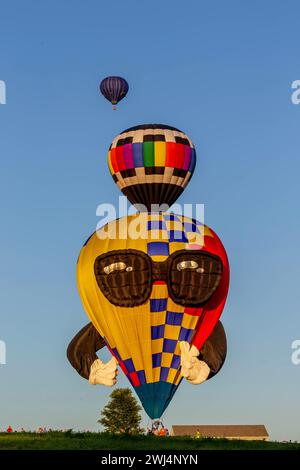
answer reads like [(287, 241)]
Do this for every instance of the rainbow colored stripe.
[(151, 154)]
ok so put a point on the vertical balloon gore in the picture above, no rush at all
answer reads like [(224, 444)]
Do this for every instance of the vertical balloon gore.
[(152, 163)]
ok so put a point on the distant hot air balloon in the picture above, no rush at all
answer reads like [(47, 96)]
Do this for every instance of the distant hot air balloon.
[(152, 163), (114, 89)]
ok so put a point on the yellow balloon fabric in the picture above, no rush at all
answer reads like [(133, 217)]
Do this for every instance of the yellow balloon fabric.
[(145, 339)]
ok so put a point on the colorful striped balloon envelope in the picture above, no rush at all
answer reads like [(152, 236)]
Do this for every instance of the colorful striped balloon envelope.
[(152, 163)]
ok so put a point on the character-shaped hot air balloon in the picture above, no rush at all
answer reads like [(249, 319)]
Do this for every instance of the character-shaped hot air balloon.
[(154, 285), (114, 89)]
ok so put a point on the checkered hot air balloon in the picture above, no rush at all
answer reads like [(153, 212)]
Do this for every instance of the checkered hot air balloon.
[(152, 163)]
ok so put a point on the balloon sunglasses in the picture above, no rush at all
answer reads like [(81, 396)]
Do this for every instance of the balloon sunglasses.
[(126, 277)]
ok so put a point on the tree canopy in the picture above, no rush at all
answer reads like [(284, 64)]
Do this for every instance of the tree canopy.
[(122, 413)]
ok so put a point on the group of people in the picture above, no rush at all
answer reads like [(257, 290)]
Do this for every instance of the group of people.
[(157, 429), (40, 430)]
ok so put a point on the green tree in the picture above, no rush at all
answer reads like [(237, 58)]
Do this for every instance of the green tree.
[(122, 413)]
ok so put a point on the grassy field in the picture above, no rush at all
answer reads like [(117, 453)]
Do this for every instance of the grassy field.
[(57, 440)]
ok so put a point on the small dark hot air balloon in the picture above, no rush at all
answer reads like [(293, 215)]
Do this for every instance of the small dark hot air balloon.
[(114, 89)]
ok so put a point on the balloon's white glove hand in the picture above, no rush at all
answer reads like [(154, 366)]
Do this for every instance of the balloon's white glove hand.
[(104, 374), (192, 369)]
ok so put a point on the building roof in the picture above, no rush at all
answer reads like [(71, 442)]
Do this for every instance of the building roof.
[(221, 430)]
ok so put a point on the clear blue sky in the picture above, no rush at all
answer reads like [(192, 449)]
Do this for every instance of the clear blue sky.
[(220, 71)]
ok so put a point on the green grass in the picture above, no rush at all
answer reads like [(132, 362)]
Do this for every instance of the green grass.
[(58, 440)]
